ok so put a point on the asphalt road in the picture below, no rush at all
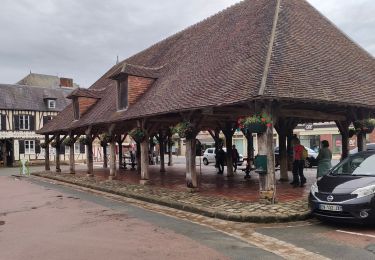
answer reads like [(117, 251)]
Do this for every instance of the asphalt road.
[(46, 220), (42, 220)]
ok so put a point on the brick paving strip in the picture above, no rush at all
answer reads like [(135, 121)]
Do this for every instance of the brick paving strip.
[(240, 230), (214, 207)]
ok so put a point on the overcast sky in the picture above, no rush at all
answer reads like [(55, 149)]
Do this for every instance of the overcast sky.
[(81, 38)]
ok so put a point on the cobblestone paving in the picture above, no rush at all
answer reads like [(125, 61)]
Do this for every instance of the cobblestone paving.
[(215, 207), (243, 231)]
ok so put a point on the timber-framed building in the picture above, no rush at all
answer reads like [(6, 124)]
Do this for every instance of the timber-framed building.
[(279, 57)]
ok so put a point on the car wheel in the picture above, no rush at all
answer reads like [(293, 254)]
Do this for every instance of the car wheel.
[(308, 164), (205, 161)]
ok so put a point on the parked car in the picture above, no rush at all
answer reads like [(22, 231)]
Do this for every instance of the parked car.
[(309, 162), (347, 192), (370, 147), (209, 157)]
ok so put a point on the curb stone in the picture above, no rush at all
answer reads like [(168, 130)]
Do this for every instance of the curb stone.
[(252, 217)]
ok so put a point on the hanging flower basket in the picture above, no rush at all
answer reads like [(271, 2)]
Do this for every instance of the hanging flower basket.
[(53, 144), (43, 145), (365, 126), (68, 141), (84, 140), (255, 124), (138, 135), (185, 130)]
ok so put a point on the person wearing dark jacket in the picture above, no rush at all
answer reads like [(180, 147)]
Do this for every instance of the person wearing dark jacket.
[(220, 157), (235, 157)]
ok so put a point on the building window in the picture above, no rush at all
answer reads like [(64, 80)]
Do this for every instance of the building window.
[(29, 147), (24, 121), (51, 103), (122, 94), (77, 148)]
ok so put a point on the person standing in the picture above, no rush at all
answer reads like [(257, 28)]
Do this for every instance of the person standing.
[(324, 159), (298, 164), (235, 157), (220, 157)]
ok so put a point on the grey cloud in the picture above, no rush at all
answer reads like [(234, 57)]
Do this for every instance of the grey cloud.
[(81, 38)]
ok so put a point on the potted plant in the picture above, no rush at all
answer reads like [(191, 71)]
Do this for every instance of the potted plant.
[(365, 126), (137, 134), (255, 124), (185, 130)]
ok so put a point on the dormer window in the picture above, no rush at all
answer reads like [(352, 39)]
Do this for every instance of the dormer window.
[(75, 108), (122, 94), (51, 103)]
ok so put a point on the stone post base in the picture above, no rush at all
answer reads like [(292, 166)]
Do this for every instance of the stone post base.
[(90, 175), (266, 197), (111, 178), (144, 182)]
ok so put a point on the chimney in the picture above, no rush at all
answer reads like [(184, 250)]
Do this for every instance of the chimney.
[(66, 82)]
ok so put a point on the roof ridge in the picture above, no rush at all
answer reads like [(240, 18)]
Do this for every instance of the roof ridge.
[(270, 48)]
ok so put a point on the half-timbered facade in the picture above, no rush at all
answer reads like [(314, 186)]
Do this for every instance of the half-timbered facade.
[(24, 110)]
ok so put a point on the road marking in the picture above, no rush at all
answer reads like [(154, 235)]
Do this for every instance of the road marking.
[(355, 233)]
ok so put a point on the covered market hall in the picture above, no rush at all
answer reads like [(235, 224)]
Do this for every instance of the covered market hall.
[(269, 63)]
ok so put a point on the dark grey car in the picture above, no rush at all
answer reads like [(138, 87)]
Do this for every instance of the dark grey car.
[(347, 192)]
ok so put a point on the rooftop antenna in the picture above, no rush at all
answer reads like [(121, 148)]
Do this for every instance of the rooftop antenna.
[(117, 62), (30, 71)]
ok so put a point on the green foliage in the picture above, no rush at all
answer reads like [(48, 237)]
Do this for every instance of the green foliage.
[(185, 130), (137, 134)]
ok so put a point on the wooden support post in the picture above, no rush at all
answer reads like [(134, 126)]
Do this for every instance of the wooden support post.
[(228, 144), (191, 171), (4, 153), (90, 158), (343, 126), (138, 157), (71, 155), (58, 147), (266, 147), (46, 153), (361, 141), (144, 161), (281, 128), (120, 154), (162, 139), (105, 155), (112, 163), (170, 142)]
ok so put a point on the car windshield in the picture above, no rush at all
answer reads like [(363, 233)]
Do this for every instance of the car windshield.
[(362, 164)]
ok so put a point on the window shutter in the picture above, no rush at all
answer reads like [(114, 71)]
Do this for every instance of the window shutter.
[(16, 123), (81, 148), (37, 146), (3, 123), (22, 146), (32, 123)]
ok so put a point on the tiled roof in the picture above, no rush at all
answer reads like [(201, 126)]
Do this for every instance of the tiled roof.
[(19, 97), (84, 92), (226, 58)]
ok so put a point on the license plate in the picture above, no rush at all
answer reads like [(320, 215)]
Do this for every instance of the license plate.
[(330, 207)]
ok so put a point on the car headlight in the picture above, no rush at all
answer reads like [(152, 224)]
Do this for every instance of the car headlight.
[(365, 191), (314, 188)]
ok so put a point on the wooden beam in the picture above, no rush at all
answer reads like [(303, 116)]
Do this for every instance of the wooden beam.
[(311, 114)]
